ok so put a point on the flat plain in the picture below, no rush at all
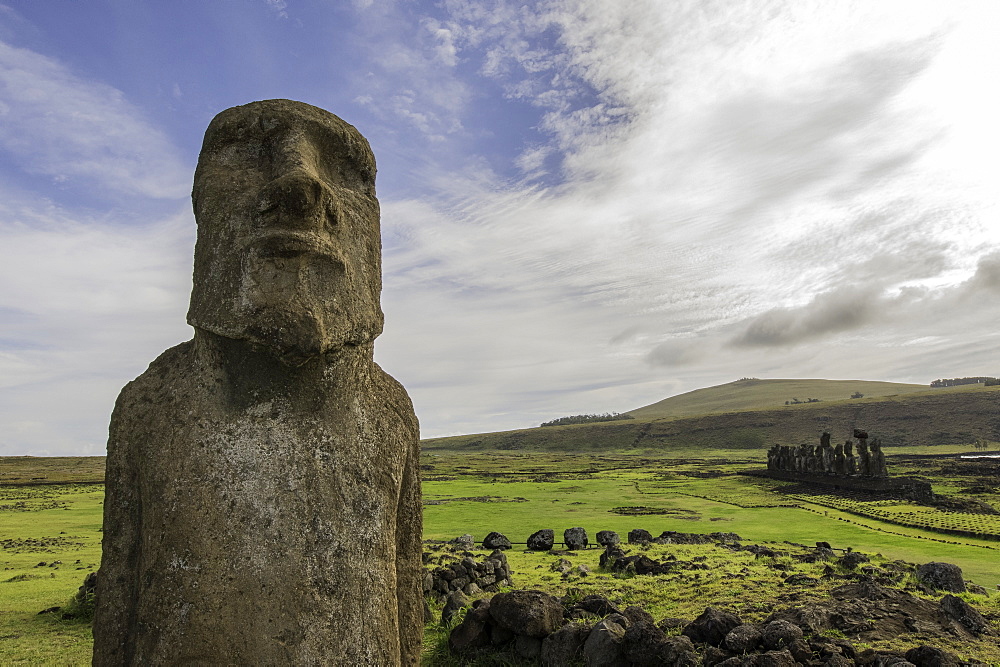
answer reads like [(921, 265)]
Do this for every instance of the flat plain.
[(51, 527)]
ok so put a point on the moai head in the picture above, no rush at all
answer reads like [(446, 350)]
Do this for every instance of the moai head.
[(824, 440), (288, 255)]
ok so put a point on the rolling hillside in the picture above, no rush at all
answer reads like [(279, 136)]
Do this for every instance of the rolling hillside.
[(762, 394), (957, 415)]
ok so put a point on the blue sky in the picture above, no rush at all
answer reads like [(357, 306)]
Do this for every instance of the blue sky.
[(587, 206)]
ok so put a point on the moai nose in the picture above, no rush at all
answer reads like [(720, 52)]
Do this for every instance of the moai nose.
[(293, 200)]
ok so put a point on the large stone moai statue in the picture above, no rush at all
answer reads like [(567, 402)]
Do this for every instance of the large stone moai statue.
[(263, 499)]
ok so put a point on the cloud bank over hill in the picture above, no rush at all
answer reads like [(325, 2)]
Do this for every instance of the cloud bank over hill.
[(587, 206)]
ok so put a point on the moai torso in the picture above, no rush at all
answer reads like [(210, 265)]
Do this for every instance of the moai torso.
[(263, 498)]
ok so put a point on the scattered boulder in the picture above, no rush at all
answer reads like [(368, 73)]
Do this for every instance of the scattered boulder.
[(541, 540), (575, 538), (712, 626), (496, 541), (852, 559), (531, 613), (607, 537), (961, 611), (942, 576), (639, 536)]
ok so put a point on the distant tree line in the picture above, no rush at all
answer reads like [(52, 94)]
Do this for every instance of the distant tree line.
[(587, 419), (954, 382), (796, 401)]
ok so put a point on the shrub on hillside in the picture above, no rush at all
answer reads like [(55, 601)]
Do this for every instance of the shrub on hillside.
[(587, 419)]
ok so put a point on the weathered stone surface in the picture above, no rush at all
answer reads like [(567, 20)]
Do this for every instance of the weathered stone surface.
[(605, 645), (646, 645), (240, 460), (942, 576), (542, 540), (606, 537), (712, 626), (597, 604), (564, 647), (474, 630), (466, 542), (575, 538), (743, 638), (496, 541), (531, 613), (779, 634), (961, 611), (931, 656), (456, 600), (529, 648), (639, 535), (852, 559)]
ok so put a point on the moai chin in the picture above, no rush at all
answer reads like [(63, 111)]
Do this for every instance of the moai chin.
[(263, 498)]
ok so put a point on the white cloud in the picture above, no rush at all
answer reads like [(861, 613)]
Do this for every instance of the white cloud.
[(738, 172), (86, 306), (56, 124)]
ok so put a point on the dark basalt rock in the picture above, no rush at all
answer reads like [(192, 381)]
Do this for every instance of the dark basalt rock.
[(607, 537), (639, 536), (456, 601), (961, 611), (942, 576), (541, 540), (852, 559), (743, 638), (598, 605), (531, 613), (605, 645), (712, 626), (779, 634), (474, 630), (575, 538), (931, 656), (496, 541), (565, 645)]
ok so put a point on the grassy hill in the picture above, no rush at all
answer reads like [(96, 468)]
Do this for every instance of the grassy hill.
[(957, 415), (753, 394)]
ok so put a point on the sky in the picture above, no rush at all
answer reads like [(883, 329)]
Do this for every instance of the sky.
[(587, 205)]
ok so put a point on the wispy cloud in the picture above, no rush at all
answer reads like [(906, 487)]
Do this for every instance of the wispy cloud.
[(56, 124)]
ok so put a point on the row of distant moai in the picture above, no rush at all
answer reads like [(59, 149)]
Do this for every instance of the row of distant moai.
[(827, 460)]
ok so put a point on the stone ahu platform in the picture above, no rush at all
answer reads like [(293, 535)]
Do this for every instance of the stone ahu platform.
[(909, 488), (839, 468)]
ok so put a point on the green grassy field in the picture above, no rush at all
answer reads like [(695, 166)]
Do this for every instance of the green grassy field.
[(51, 539), (515, 493)]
